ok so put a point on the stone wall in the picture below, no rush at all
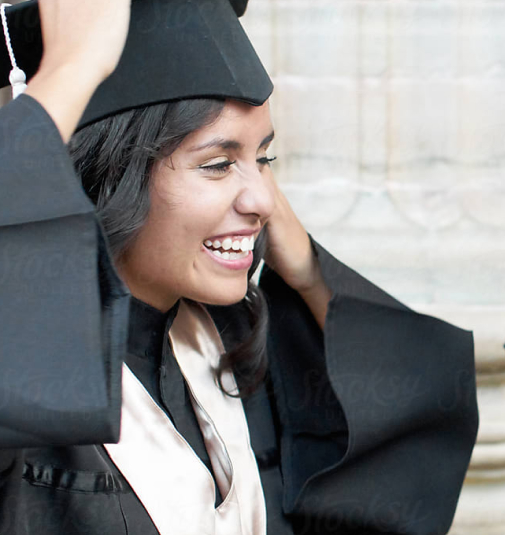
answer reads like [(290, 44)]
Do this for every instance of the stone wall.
[(390, 121)]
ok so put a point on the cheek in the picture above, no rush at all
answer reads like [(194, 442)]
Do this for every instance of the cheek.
[(182, 217), (187, 199), (175, 235)]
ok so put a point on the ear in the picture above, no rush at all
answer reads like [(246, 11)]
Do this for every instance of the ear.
[(239, 6)]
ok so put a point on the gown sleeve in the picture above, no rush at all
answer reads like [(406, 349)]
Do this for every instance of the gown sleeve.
[(63, 313), (377, 416)]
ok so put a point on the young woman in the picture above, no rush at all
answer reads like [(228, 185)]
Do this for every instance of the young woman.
[(345, 413)]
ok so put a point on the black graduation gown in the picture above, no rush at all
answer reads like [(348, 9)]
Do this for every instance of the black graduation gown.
[(373, 423)]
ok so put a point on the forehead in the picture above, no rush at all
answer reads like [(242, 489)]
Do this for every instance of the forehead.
[(237, 121)]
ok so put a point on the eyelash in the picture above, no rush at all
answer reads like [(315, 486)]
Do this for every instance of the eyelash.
[(223, 167), (218, 168), (266, 161)]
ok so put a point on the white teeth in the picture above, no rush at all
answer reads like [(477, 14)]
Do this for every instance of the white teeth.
[(230, 256), (245, 244)]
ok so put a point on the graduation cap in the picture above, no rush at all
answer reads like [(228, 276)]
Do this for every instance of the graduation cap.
[(175, 49)]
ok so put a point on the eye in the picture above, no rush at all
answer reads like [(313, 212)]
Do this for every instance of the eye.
[(265, 160), (220, 168)]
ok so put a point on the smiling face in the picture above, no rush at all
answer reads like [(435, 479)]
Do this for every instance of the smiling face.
[(209, 201)]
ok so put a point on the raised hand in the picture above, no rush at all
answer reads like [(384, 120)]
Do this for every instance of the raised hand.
[(290, 254), (83, 41), (90, 34)]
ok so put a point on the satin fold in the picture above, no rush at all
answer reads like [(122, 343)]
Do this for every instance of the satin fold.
[(169, 479), (197, 347)]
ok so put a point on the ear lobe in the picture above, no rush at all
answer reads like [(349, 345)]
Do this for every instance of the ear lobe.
[(239, 6)]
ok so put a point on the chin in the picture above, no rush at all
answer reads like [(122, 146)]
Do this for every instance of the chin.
[(223, 299)]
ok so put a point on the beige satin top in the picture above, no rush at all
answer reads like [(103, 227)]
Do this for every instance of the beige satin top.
[(168, 477)]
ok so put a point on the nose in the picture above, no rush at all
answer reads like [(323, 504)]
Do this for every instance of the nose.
[(257, 193)]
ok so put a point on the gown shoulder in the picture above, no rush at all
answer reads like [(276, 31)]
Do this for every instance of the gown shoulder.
[(64, 313), (378, 414)]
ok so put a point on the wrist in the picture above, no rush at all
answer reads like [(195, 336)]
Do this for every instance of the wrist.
[(73, 77), (64, 91)]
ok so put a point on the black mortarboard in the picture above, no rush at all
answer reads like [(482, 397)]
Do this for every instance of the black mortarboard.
[(175, 49)]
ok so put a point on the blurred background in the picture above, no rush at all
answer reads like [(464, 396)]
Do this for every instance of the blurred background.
[(390, 125), (390, 137)]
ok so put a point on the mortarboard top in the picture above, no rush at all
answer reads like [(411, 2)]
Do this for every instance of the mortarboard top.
[(175, 49)]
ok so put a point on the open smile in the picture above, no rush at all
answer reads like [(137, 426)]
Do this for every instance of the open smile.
[(233, 252), (230, 248)]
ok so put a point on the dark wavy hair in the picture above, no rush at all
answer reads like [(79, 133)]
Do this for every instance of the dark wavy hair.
[(114, 158)]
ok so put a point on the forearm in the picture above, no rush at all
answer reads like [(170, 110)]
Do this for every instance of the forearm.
[(317, 298), (291, 255)]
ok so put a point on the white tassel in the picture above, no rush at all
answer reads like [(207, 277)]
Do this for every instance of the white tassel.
[(17, 77)]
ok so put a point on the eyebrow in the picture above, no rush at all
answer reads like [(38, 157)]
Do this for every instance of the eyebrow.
[(229, 144), (267, 140)]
